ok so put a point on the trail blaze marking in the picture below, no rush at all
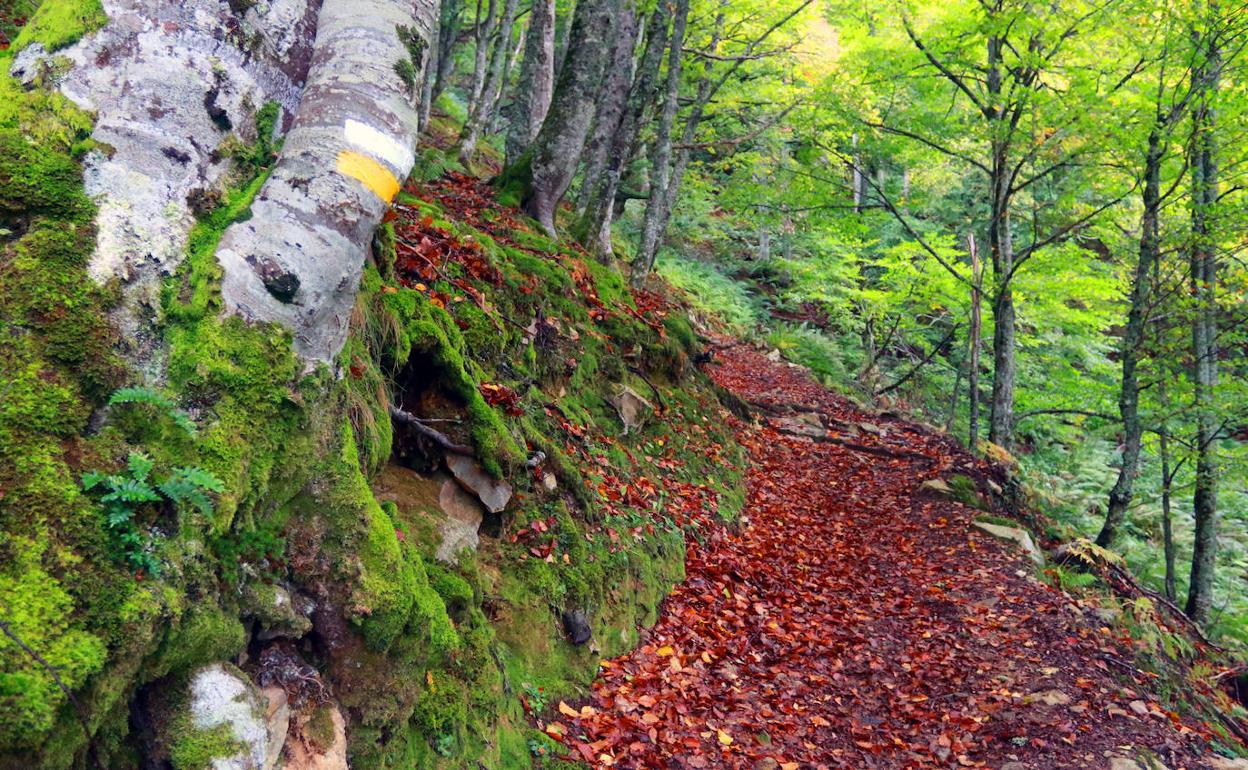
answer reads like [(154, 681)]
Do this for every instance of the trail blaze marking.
[(370, 173), (367, 139)]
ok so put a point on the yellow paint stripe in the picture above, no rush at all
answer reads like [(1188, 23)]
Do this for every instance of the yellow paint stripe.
[(370, 173)]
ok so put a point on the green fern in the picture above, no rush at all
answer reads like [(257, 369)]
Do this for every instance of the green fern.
[(123, 495), (149, 397)]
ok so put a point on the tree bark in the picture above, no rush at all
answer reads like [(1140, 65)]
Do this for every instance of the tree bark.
[(547, 169), (483, 109), (1132, 341), (615, 87), (449, 20), (977, 325), (595, 226), (297, 260), (483, 33), (537, 80), (1001, 244), (1204, 280), (661, 171)]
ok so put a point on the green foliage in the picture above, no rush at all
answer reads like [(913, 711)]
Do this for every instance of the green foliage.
[(61, 24), (710, 291), (162, 404), (124, 496)]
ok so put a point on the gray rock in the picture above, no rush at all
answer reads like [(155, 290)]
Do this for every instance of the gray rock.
[(632, 407), (1225, 763), (936, 488), (222, 695), (279, 613), (576, 626), (802, 425), (1143, 760), (463, 521), (493, 493), (1020, 537), (30, 65), (1050, 698)]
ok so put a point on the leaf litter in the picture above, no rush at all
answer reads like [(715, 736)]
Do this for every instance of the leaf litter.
[(852, 621)]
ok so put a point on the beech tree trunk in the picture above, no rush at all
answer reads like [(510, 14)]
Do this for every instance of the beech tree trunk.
[(482, 34), (1204, 281), (537, 80), (549, 165), (614, 100), (661, 172), (977, 325), (449, 21), (1132, 340), (297, 260), (483, 108), (595, 225)]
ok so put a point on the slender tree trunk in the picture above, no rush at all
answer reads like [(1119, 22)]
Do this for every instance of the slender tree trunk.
[(537, 80), (613, 102), (499, 112), (549, 166), (1167, 518), (1132, 341), (662, 173), (856, 180), (482, 34), (977, 325), (448, 30), (1001, 244), (1001, 419), (600, 213), (482, 111), (1204, 281)]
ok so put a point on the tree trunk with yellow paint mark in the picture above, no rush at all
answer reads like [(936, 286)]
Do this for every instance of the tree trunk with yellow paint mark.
[(297, 260)]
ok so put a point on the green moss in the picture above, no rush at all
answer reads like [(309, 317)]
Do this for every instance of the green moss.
[(61, 24), (37, 609), (205, 633), (196, 749), (195, 293)]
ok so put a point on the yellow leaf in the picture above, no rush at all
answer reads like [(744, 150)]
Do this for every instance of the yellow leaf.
[(567, 710), (725, 738), (665, 651)]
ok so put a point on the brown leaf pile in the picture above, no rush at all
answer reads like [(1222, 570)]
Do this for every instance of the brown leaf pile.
[(854, 623)]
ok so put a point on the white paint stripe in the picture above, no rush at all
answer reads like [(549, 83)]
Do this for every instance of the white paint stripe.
[(368, 139)]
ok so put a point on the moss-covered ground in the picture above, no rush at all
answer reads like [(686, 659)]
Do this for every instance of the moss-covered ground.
[(522, 341)]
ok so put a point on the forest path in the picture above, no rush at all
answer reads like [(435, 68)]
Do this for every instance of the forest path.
[(855, 622)]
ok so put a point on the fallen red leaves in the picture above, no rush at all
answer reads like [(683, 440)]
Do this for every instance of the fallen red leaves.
[(855, 624)]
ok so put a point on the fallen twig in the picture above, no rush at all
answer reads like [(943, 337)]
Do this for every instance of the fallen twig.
[(437, 437)]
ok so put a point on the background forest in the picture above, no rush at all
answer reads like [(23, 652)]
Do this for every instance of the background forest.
[(1026, 227), (1020, 224)]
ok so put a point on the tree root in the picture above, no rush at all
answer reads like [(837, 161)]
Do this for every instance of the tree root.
[(437, 437)]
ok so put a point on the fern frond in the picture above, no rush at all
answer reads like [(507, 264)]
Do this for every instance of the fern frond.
[(130, 491), (93, 479), (140, 466), (151, 397)]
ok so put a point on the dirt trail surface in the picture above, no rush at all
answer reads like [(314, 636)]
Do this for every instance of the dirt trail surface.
[(856, 622)]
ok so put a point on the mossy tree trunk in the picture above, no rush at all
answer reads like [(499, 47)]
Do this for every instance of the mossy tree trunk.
[(552, 161)]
